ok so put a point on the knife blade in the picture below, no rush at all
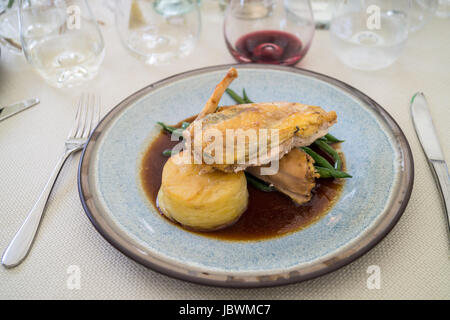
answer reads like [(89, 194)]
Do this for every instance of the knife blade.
[(17, 107), (428, 138)]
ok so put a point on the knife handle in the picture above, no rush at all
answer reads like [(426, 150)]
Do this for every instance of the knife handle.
[(440, 172)]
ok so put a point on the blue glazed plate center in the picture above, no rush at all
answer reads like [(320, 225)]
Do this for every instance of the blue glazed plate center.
[(371, 154)]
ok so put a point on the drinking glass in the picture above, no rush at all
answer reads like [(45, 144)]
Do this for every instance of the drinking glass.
[(369, 34), (158, 31), (61, 40), (9, 26), (269, 31), (421, 12), (322, 13), (110, 5), (443, 9)]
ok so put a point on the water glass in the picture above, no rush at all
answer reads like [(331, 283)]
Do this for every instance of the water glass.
[(322, 13), (369, 34), (61, 40), (269, 31), (421, 12), (9, 26), (443, 9), (158, 31)]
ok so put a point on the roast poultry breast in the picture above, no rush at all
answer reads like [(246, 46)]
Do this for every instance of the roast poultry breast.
[(252, 135), (209, 191)]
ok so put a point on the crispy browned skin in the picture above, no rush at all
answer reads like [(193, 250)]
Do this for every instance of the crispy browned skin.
[(297, 125), (295, 177)]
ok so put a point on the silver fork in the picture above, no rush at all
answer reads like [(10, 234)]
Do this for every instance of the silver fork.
[(88, 115)]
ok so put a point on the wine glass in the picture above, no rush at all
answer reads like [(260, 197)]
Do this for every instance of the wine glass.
[(369, 34), (269, 31), (61, 40), (158, 31)]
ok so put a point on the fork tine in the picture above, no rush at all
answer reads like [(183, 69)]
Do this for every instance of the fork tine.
[(76, 124), (83, 115), (97, 112), (89, 116)]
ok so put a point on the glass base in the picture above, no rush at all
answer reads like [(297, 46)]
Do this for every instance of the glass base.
[(160, 31), (159, 48), (162, 42), (75, 75)]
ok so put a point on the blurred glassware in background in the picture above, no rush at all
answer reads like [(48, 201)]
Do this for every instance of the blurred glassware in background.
[(110, 4), (223, 4), (269, 31), (61, 40), (369, 34), (443, 9), (9, 26), (158, 31), (421, 12), (322, 13)]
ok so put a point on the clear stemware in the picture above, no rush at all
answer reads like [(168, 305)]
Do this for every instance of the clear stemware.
[(158, 31), (61, 40), (269, 31)]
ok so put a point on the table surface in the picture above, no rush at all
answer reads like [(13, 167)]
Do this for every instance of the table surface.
[(414, 259)]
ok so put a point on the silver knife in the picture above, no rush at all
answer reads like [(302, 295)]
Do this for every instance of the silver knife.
[(430, 144), (12, 109)]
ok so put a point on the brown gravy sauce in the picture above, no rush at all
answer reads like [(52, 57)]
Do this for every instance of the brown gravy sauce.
[(269, 214)]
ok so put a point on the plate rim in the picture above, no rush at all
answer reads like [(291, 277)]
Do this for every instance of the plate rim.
[(245, 279)]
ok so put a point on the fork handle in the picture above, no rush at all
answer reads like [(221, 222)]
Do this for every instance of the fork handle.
[(23, 240)]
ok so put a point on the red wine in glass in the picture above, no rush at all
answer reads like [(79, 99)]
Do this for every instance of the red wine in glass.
[(268, 46)]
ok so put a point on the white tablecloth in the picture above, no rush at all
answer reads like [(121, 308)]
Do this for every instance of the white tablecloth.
[(413, 258)]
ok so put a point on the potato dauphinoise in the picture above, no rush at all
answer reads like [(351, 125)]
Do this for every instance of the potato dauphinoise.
[(208, 201)]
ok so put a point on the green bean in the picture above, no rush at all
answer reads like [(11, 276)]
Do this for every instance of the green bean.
[(258, 184), (235, 96), (169, 152), (246, 98), (185, 125), (333, 153), (323, 173), (327, 139), (319, 160), (323, 167), (332, 138), (166, 127), (331, 173), (170, 129)]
